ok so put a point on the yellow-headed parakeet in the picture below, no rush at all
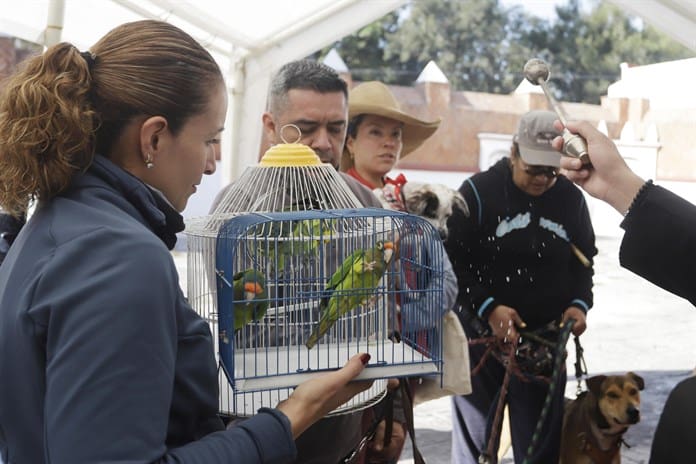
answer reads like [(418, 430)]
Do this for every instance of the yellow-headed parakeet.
[(351, 285)]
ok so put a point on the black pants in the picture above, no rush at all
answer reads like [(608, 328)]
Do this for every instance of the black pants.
[(473, 414)]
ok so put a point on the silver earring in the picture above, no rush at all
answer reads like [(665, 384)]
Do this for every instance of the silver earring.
[(148, 162)]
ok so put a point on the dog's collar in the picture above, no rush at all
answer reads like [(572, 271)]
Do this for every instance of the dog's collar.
[(590, 445), (597, 454), (614, 434)]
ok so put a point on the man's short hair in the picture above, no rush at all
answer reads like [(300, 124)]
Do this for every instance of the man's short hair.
[(305, 75)]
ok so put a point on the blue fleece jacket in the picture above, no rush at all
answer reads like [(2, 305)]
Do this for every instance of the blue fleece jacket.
[(101, 357)]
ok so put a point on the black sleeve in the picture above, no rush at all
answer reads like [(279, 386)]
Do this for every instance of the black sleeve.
[(660, 241), (461, 242), (672, 440)]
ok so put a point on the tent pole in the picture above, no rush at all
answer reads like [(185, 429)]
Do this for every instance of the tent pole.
[(234, 163), (54, 22)]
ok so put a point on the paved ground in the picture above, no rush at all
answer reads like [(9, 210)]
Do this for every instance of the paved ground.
[(634, 325)]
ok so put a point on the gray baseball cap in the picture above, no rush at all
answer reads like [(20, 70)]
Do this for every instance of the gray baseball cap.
[(534, 135)]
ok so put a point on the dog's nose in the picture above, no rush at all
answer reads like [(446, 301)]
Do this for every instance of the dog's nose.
[(633, 415)]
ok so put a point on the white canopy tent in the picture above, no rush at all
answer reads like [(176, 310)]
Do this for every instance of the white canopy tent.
[(674, 18), (251, 39)]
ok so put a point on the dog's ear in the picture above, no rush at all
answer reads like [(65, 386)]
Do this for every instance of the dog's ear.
[(459, 202), (637, 379), (432, 204), (423, 203), (594, 384)]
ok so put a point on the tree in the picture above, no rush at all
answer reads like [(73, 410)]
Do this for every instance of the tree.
[(364, 50), (584, 50), (482, 46), (468, 40)]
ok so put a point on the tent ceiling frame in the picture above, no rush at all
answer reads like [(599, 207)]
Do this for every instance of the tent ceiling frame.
[(253, 73), (214, 27), (676, 19)]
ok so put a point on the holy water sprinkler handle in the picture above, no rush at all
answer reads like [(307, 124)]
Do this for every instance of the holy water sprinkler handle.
[(536, 71)]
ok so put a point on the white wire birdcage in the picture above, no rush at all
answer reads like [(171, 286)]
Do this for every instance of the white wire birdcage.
[(296, 252), (273, 353)]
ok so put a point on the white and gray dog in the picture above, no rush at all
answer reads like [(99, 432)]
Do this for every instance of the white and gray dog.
[(433, 202)]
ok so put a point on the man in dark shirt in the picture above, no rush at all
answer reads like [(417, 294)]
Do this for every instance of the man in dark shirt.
[(312, 97)]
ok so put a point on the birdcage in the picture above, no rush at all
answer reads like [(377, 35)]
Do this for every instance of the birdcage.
[(334, 282), (293, 220)]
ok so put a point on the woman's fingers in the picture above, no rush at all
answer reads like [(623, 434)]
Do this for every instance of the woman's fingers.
[(314, 398)]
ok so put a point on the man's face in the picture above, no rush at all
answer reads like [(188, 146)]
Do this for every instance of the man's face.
[(321, 117)]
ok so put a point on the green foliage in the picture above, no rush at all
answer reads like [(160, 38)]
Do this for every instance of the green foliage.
[(587, 49), (365, 50), (465, 39), (482, 46)]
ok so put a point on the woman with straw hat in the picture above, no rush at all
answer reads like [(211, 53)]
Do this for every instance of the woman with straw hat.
[(379, 134)]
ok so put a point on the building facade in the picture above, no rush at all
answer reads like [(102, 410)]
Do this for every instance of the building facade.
[(650, 115)]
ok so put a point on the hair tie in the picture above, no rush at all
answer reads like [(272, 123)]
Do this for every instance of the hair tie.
[(89, 59)]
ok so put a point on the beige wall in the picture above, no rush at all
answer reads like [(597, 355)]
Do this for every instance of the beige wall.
[(455, 145)]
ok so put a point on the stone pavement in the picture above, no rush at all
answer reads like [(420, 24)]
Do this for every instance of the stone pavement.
[(634, 325)]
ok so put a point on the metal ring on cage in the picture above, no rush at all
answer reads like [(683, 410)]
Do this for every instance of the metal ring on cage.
[(299, 133)]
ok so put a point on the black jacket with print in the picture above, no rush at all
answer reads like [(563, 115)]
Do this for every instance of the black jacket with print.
[(517, 250)]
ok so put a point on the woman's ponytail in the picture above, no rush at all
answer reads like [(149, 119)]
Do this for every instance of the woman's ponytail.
[(47, 126)]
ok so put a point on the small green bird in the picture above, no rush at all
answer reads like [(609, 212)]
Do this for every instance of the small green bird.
[(351, 285), (302, 241), (250, 297), (310, 232)]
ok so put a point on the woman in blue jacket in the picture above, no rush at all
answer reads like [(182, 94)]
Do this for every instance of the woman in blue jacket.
[(101, 357), (658, 245)]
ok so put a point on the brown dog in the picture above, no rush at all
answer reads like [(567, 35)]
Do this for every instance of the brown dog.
[(594, 423)]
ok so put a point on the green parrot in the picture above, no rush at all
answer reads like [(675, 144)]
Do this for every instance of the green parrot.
[(351, 286), (306, 229), (303, 241), (250, 297)]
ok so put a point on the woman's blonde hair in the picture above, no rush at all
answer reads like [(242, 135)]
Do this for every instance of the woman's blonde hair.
[(61, 107)]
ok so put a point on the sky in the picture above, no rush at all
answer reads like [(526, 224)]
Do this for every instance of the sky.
[(542, 8)]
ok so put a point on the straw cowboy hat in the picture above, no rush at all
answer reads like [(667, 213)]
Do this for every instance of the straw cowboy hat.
[(375, 98)]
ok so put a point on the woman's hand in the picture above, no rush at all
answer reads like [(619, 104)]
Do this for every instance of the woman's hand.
[(504, 322), (573, 312), (314, 398)]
